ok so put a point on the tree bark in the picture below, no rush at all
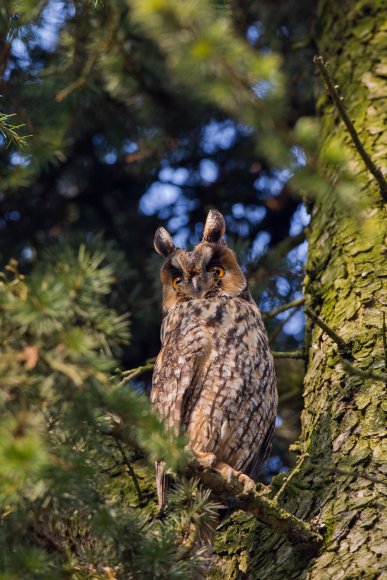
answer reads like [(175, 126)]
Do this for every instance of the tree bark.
[(343, 422)]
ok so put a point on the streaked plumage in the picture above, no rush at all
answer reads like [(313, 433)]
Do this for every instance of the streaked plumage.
[(214, 376)]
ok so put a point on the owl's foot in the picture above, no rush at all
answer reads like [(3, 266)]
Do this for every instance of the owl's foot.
[(248, 483), (205, 458), (228, 472)]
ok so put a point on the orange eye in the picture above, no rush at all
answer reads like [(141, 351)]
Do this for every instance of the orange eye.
[(217, 271), (177, 281)]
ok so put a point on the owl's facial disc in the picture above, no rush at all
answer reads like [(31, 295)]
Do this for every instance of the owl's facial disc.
[(211, 270)]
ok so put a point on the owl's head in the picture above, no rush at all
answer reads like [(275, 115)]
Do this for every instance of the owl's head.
[(210, 270)]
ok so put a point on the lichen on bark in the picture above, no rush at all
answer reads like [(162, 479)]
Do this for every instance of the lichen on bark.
[(343, 422)]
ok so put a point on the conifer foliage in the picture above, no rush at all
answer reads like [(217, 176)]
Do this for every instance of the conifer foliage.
[(69, 429)]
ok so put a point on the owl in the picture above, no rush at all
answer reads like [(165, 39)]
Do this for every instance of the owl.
[(214, 377)]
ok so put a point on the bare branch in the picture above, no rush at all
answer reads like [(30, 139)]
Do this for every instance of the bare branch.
[(279, 328), (272, 313), (131, 471), (343, 350), (347, 471), (369, 374), (343, 347), (293, 473), (292, 354), (337, 99)]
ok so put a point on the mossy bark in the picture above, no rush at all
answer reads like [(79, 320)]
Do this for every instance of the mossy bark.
[(343, 422)]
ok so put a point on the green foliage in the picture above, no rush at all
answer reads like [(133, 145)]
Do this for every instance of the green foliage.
[(203, 51), (67, 506), (11, 132)]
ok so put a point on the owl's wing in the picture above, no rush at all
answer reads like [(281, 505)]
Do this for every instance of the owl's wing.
[(259, 458), (175, 377)]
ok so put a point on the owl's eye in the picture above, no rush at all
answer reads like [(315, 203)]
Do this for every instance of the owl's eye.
[(217, 271), (177, 281)]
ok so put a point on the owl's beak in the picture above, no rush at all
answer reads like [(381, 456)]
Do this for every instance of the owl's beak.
[(197, 285)]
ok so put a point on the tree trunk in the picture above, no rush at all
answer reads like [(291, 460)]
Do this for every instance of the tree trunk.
[(343, 420)]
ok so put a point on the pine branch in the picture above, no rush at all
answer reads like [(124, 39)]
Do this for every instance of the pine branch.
[(267, 511), (10, 132), (338, 101)]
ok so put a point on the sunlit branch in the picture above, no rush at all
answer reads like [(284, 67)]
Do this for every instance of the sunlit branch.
[(283, 308), (267, 511)]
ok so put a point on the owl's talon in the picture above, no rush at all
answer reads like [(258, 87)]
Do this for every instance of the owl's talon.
[(206, 459), (227, 472), (248, 483)]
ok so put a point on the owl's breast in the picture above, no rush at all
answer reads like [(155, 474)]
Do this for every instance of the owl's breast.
[(214, 376)]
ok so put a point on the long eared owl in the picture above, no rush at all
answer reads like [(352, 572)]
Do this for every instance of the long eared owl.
[(214, 376)]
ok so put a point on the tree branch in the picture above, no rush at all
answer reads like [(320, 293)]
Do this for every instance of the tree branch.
[(344, 350), (347, 471), (133, 373), (337, 99), (352, 370), (267, 511), (131, 471), (294, 472), (271, 313), (343, 346), (292, 354), (279, 328)]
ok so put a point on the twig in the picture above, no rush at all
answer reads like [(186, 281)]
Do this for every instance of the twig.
[(343, 346), (133, 373), (279, 328), (337, 99), (343, 350), (288, 396), (267, 511), (62, 94), (130, 470), (363, 374), (271, 313), (292, 354), (347, 471), (294, 472)]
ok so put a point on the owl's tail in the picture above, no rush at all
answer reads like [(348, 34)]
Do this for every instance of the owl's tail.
[(161, 484)]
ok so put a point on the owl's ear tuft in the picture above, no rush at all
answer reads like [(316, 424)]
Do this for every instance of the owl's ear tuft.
[(215, 227), (163, 243)]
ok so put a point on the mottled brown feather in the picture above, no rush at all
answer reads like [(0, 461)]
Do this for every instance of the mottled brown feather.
[(214, 378)]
